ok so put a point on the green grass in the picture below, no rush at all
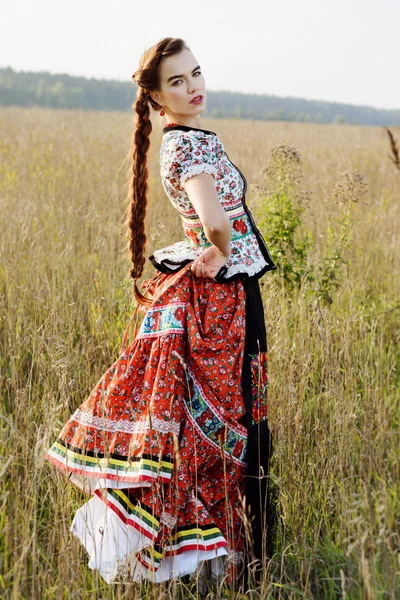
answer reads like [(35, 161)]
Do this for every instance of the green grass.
[(66, 298)]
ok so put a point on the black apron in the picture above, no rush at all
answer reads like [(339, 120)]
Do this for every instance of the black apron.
[(261, 498)]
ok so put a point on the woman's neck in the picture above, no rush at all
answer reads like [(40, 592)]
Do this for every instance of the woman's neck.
[(196, 123)]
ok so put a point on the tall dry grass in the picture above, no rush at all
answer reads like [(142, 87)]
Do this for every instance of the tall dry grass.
[(333, 371)]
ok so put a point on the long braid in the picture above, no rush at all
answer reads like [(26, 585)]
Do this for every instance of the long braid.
[(147, 78), (139, 189)]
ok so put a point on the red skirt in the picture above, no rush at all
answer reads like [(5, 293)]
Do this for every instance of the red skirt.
[(160, 443)]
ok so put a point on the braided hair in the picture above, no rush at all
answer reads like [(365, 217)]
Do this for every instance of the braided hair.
[(148, 80)]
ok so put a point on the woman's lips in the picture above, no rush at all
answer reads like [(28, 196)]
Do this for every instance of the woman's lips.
[(197, 100)]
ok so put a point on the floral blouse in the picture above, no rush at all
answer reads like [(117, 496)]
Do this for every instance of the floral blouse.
[(186, 151)]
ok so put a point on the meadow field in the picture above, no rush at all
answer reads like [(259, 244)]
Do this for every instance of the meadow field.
[(327, 199)]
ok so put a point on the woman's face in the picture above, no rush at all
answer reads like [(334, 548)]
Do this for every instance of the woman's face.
[(181, 80)]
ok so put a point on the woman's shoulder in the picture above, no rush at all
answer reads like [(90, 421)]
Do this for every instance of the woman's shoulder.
[(183, 153), (178, 140)]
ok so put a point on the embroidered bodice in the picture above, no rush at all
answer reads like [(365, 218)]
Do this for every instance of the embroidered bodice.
[(186, 151)]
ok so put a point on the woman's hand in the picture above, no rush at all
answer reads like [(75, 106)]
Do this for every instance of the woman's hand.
[(209, 262)]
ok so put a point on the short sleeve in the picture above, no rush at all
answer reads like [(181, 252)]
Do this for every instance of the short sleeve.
[(191, 155)]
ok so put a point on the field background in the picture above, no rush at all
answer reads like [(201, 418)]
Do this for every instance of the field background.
[(66, 298)]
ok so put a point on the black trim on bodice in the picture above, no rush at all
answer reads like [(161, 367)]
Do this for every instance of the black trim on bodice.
[(186, 128)]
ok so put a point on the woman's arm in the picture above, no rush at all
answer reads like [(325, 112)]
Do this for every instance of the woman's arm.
[(203, 196)]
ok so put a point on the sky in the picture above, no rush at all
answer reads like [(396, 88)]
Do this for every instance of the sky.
[(345, 51)]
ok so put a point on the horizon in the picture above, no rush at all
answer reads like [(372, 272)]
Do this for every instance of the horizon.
[(208, 90)]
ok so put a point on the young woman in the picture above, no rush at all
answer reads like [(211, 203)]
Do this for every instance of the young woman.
[(173, 442)]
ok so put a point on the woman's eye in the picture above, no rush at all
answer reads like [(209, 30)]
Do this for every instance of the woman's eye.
[(177, 80)]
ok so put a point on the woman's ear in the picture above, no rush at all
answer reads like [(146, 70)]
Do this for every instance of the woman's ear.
[(156, 96)]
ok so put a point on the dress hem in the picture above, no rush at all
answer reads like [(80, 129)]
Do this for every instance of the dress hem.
[(117, 548)]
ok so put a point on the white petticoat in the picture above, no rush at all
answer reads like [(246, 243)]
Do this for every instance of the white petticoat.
[(112, 546)]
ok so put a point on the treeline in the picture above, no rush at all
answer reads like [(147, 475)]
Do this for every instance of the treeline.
[(26, 88)]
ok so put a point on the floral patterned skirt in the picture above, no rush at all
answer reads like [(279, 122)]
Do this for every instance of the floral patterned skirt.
[(160, 443)]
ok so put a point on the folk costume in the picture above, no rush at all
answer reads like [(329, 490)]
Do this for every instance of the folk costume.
[(175, 433)]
